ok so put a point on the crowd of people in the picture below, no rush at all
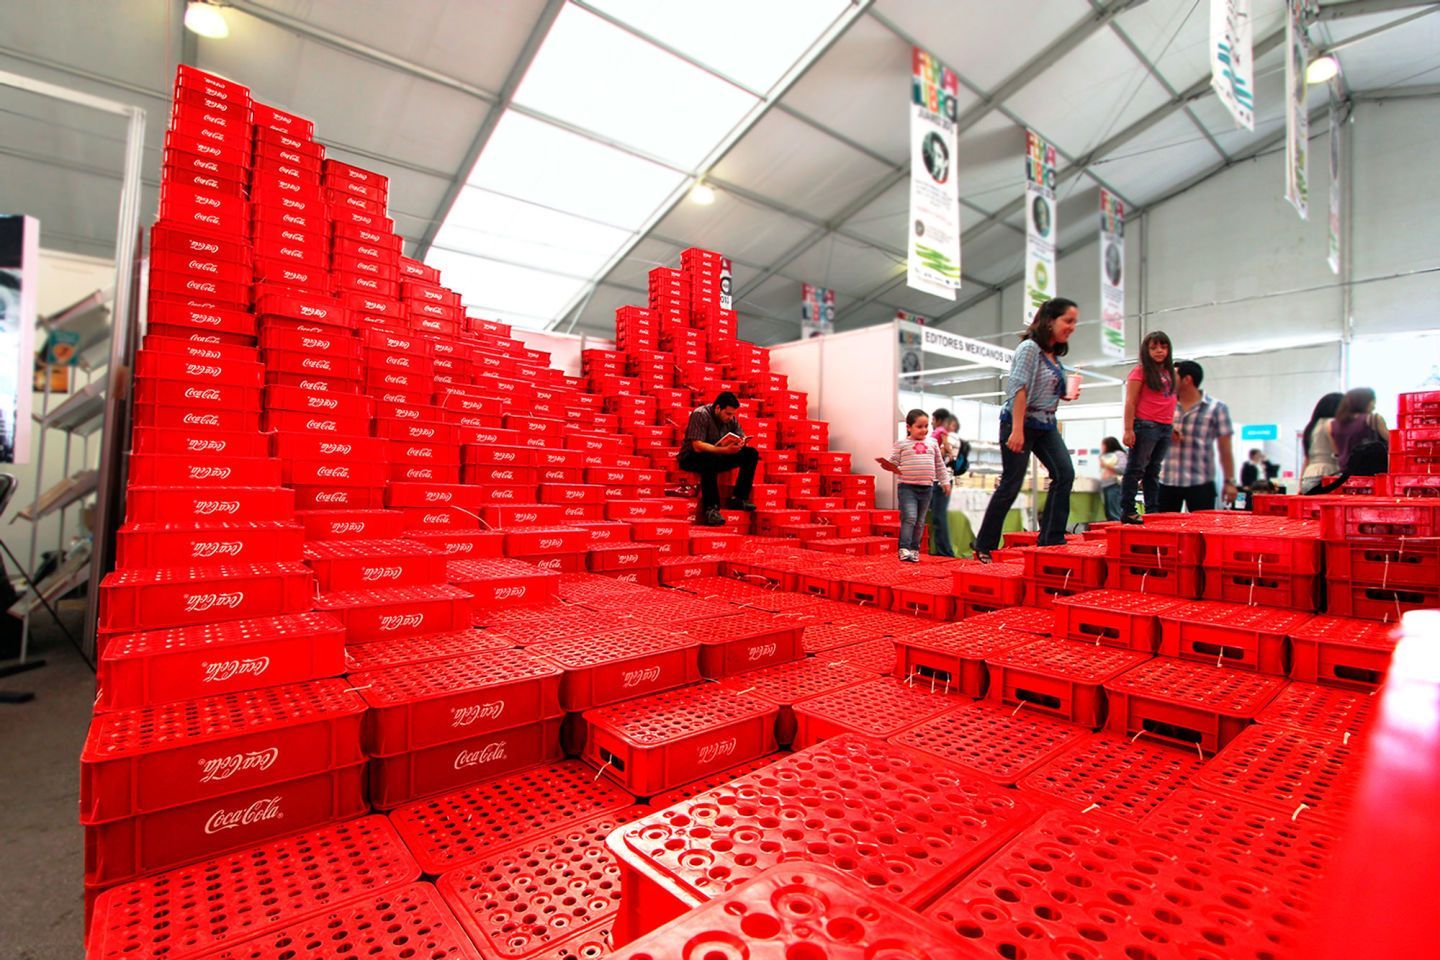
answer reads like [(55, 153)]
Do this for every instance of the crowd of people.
[(1173, 432)]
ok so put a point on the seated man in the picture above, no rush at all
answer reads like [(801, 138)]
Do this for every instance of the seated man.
[(713, 444)]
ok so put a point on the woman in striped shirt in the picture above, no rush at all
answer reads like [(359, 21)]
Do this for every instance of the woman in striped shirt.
[(920, 466), (1038, 382)]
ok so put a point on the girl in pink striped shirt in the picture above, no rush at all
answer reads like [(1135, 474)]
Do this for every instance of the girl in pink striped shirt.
[(918, 462)]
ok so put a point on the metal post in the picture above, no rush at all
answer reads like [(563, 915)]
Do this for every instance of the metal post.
[(35, 513), (1347, 261), (1144, 323)]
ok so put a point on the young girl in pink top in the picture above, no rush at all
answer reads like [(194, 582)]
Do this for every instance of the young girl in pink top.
[(1149, 415)]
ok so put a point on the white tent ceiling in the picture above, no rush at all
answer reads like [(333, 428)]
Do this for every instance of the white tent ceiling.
[(540, 150)]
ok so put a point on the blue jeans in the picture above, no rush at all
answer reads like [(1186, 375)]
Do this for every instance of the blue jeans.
[(940, 522), (913, 500), (1111, 497), (1152, 442), (1052, 453)]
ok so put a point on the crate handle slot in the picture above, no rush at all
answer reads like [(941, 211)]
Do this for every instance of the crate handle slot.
[(1038, 699), (1096, 630), (932, 674), (1218, 650), (611, 760), (1399, 596), (1358, 675), (1170, 731)]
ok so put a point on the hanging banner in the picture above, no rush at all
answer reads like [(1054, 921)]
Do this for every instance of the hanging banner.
[(1040, 224), (817, 311), (1232, 71), (905, 316), (1297, 117), (1112, 274), (1332, 257), (19, 282), (934, 249)]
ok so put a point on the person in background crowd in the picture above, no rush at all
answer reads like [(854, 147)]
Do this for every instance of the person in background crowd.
[(1202, 426), (1112, 467), (1320, 459), (1356, 422), (715, 444), (1149, 415), (917, 461), (1255, 473), (940, 495), (1037, 384)]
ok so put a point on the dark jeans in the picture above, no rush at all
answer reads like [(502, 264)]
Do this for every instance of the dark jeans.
[(940, 521), (1052, 453), (1152, 442), (709, 465), (913, 499), (1110, 496), (1198, 497)]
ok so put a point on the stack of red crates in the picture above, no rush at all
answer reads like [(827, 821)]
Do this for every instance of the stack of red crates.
[(1415, 446), (1381, 555)]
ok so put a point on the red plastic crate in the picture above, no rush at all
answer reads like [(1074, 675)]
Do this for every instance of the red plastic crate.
[(166, 544), (1035, 620), (178, 914), (152, 758), (419, 705), (924, 597), (718, 779), (407, 777), (383, 654), (1163, 541), (745, 641), (371, 615), (1235, 830), (817, 638), (208, 504), (796, 911), (1115, 618), (1372, 602), (1414, 484), (998, 584), (1342, 652), (667, 739), (351, 524), (609, 665), (1059, 677), (508, 901), (1118, 776), (1388, 562), (1074, 566), (1344, 518), (178, 596), (1229, 634), (504, 583), (1293, 592), (877, 655), (909, 826), (1184, 582), (994, 742), (458, 828), (1330, 712), (1295, 551), (952, 657), (786, 684), (398, 922), (367, 564), (1098, 891), (121, 849), (1294, 772), (160, 666), (1188, 703), (879, 708)]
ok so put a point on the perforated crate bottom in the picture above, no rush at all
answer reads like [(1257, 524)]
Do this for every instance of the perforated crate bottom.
[(1000, 743), (1115, 776), (1083, 888)]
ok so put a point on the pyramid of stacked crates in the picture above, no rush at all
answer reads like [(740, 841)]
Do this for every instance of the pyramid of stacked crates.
[(407, 652)]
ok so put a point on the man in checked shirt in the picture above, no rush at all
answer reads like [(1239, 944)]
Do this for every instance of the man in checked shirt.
[(715, 444), (1202, 426)]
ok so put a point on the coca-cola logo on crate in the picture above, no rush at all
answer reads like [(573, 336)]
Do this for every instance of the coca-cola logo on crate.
[(489, 753), (223, 768), (467, 716), (258, 812)]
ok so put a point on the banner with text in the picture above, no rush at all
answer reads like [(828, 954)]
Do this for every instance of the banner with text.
[(947, 344), (934, 248), (1232, 71), (1297, 117), (19, 283), (1333, 247), (817, 311), (1040, 226), (1112, 274)]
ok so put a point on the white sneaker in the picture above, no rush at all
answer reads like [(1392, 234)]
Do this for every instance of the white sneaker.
[(903, 555)]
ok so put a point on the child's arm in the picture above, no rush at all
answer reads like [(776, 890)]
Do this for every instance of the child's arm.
[(942, 474), (1132, 400), (892, 465)]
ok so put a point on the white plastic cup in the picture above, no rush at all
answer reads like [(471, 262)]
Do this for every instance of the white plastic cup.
[(1072, 386)]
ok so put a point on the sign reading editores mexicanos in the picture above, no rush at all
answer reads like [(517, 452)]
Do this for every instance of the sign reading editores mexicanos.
[(948, 344)]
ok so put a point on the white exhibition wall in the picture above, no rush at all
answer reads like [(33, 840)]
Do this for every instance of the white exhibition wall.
[(850, 379), (1234, 238)]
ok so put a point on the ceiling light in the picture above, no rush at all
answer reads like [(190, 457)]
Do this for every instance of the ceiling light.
[(206, 19), (1322, 70), (702, 194)]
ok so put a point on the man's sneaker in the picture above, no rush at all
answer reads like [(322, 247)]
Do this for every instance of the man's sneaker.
[(735, 503), (713, 518), (1132, 518)]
